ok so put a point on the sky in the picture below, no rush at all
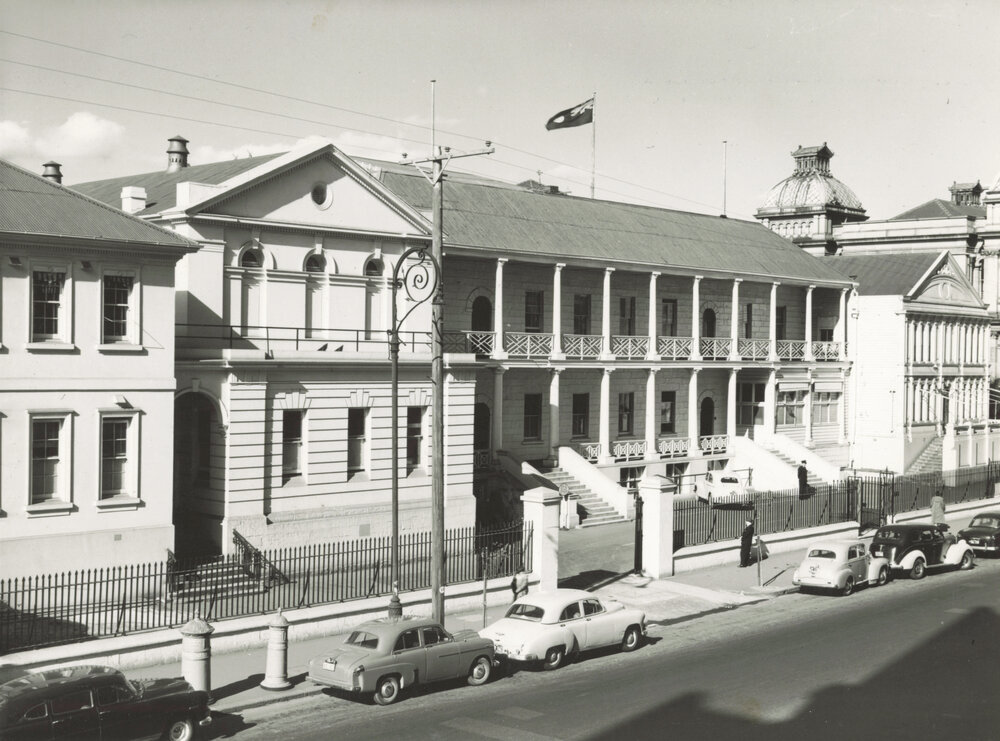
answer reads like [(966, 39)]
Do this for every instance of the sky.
[(699, 104)]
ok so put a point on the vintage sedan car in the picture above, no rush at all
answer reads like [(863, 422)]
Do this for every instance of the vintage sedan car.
[(98, 703), (983, 533), (841, 566), (725, 490), (382, 657), (915, 547), (549, 626)]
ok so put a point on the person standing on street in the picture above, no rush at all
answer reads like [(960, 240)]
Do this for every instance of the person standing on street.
[(746, 541), (937, 508), (803, 480)]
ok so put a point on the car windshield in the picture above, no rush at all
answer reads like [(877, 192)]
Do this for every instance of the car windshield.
[(362, 639), (821, 553), (985, 522), (525, 611)]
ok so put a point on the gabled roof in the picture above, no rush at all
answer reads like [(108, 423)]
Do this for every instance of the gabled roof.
[(506, 219), (161, 186), (940, 208), (894, 274), (32, 206)]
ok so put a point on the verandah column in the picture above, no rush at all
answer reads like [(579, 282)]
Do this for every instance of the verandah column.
[(651, 413), (496, 433), (606, 316), (731, 405), (772, 325), (842, 323), (695, 320), (809, 325), (557, 349), (651, 353), (554, 414), (604, 431), (498, 350), (734, 321), (693, 411)]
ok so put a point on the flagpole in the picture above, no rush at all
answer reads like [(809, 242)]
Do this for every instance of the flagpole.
[(593, 148)]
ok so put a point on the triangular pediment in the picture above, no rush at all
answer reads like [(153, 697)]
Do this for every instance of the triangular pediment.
[(944, 286), (324, 189)]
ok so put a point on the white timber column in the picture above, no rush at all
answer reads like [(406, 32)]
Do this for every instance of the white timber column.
[(842, 410), (731, 406), (808, 350), (770, 403), (843, 324), (807, 412), (693, 411), (557, 350), (910, 344), (651, 352), (651, 413), (772, 325), (695, 320), (910, 407), (604, 430), (554, 414), (496, 421), (498, 350), (734, 321), (606, 316)]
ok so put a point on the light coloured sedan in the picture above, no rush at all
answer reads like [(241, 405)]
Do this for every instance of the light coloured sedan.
[(548, 627), (841, 566)]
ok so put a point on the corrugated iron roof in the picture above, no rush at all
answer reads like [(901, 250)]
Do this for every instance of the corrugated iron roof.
[(887, 274), (940, 208), (33, 205)]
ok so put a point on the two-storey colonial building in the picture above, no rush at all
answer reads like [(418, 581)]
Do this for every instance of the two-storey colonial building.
[(87, 387)]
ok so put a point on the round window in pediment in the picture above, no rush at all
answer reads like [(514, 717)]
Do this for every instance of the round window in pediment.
[(322, 196)]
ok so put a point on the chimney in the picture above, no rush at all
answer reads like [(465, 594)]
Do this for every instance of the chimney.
[(133, 199), (52, 172), (177, 154)]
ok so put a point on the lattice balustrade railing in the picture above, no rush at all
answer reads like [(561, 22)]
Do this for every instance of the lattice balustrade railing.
[(755, 349), (791, 349), (590, 451), (826, 350), (673, 348), (714, 443), (673, 447), (476, 341), (629, 346), (583, 345), (628, 449), (715, 348), (528, 344)]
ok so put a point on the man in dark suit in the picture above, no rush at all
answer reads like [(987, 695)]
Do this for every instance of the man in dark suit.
[(746, 541), (803, 480)]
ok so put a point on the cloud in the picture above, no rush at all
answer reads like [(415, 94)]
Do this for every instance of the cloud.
[(81, 135)]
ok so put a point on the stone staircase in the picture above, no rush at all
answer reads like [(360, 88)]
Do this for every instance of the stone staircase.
[(221, 579), (813, 480), (593, 509), (929, 460)]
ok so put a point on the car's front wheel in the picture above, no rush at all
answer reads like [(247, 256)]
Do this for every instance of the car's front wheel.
[(554, 658), (387, 690), (479, 672), (883, 576), (632, 638), (848, 586), (919, 569), (181, 729), (967, 561)]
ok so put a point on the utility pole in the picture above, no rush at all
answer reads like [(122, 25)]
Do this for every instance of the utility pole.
[(439, 159)]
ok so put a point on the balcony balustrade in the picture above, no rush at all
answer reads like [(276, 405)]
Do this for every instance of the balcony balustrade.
[(826, 350), (528, 344), (272, 339), (630, 347), (583, 346), (792, 349), (713, 444), (590, 451), (751, 349), (715, 348), (627, 450), (469, 341), (673, 447), (674, 348)]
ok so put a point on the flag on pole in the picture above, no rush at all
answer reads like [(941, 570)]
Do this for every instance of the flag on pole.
[(575, 116)]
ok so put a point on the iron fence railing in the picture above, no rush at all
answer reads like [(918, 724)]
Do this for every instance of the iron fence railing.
[(294, 339), (98, 603)]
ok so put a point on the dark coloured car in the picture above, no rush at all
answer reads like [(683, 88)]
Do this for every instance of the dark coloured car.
[(916, 547), (98, 703), (983, 533)]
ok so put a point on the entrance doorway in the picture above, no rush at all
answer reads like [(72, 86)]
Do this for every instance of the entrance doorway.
[(706, 424), (708, 323)]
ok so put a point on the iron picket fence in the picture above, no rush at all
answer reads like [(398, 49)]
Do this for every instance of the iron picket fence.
[(98, 603)]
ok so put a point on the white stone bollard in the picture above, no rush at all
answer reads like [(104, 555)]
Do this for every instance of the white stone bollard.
[(276, 671), (196, 654)]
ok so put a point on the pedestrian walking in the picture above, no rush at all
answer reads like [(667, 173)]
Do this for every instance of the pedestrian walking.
[(937, 508), (519, 585), (746, 542), (803, 480)]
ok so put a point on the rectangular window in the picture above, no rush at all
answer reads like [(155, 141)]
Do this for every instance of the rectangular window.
[(789, 406), (668, 406), (668, 317), (581, 415), (46, 305), (626, 315), (117, 298), (748, 322), (356, 440), (114, 457), (534, 301), (825, 407), (45, 459), (581, 313), (826, 334), (628, 478), (291, 444), (750, 404), (532, 416), (414, 437), (626, 413), (780, 323)]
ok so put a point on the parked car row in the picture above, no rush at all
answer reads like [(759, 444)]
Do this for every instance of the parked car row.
[(910, 549)]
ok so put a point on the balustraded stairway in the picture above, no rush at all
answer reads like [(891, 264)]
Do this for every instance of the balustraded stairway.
[(929, 460), (593, 509)]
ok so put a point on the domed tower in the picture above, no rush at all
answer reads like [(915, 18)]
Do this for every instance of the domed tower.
[(805, 206)]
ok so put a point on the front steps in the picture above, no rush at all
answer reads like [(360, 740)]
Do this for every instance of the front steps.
[(594, 510), (929, 460), (813, 480)]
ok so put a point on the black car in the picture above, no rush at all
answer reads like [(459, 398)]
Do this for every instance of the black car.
[(914, 547), (98, 703), (983, 533)]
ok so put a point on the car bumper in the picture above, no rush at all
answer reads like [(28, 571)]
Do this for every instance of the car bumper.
[(817, 582), (985, 548), (327, 680)]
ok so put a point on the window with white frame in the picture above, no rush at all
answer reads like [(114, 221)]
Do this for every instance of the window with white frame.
[(626, 315), (414, 438), (626, 413), (750, 404), (292, 444), (825, 407), (668, 412), (581, 415), (534, 307), (115, 459), (532, 418), (357, 440), (49, 318), (49, 477), (789, 406), (118, 310)]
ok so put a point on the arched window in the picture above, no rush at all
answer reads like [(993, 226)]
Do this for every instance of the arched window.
[(315, 264), (373, 267), (251, 259)]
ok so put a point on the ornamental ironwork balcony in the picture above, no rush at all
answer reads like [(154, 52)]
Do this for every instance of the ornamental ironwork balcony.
[(792, 349), (674, 348), (528, 344), (751, 349), (715, 348), (631, 347), (583, 346)]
